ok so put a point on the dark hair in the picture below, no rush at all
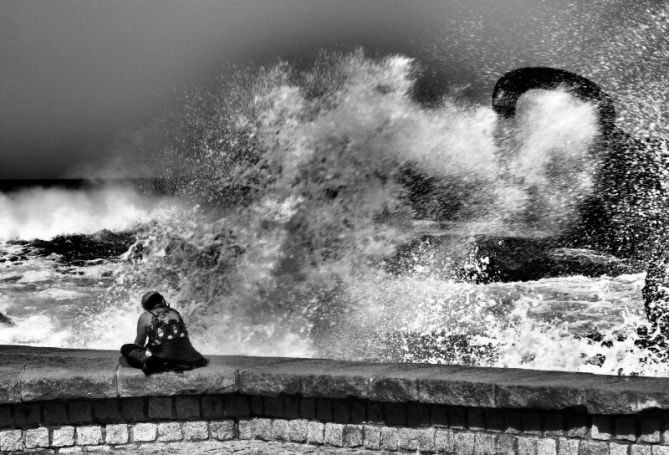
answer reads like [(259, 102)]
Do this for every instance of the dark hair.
[(152, 299)]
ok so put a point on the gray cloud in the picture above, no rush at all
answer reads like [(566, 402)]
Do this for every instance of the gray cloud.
[(74, 73)]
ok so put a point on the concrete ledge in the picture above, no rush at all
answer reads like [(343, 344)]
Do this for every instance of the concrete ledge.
[(30, 374), (76, 401), (220, 376)]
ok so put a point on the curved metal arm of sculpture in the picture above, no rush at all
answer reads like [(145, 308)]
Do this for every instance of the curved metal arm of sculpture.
[(514, 83), (626, 214)]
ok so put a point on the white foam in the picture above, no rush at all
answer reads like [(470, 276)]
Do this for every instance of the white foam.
[(40, 213), (60, 294), (37, 276), (36, 330)]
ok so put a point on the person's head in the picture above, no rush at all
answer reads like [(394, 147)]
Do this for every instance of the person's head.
[(152, 299)]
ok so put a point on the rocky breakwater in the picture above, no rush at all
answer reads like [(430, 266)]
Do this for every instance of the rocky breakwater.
[(525, 259), (67, 254), (60, 401), (450, 252), (78, 249)]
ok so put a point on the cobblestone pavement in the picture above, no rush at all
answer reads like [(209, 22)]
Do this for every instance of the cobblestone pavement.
[(237, 448)]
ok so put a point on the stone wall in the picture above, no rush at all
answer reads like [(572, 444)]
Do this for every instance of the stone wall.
[(65, 401)]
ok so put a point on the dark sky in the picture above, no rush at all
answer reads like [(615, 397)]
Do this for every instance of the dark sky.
[(74, 73)]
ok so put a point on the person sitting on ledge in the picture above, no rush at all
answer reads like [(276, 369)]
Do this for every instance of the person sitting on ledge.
[(168, 347)]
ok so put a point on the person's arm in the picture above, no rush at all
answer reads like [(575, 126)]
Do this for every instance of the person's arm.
[(141, 331)]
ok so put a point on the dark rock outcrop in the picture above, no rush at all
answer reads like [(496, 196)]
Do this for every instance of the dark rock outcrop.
[(76, 249), (523, 259), (450, 254), (656, 297)]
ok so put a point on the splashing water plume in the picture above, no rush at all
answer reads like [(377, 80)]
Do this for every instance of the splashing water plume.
[(309, 182)]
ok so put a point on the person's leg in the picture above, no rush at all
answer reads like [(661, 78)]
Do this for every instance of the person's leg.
[(155, 364), (134, 354)]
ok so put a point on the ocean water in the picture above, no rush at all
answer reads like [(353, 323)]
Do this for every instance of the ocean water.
[(295, 189), (43, 294), (537, 324)]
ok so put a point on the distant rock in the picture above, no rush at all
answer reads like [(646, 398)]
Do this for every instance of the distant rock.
[(6, 321), (525, 259), (80, 249), (453, 254)]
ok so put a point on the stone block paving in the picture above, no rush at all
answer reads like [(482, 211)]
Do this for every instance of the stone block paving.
[(252, 447), (310, 436), (322, 426)]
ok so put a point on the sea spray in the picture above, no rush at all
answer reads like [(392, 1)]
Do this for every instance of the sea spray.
[(309, 182), (43, 213), (297, 263)]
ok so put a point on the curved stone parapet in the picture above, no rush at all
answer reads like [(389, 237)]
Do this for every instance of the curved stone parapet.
[(67, 400), (29, 374)]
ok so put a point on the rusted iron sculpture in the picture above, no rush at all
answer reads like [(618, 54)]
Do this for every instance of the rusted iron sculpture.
[(628, 213)]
